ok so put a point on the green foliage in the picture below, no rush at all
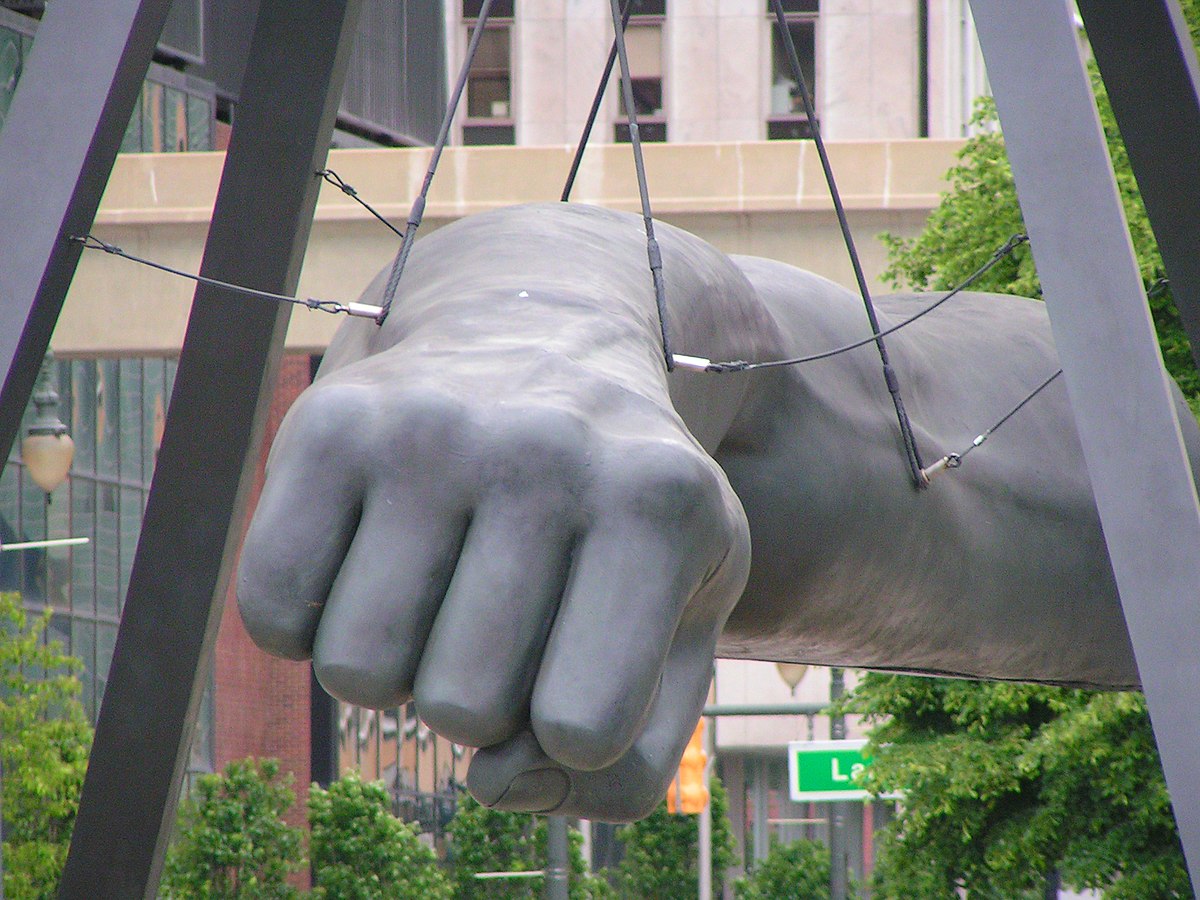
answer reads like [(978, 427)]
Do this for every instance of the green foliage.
[(233, 841), (490, 840), (360, 851), (44, 742), (980, 212), (1005, 783), (662, 851), (796, 871)]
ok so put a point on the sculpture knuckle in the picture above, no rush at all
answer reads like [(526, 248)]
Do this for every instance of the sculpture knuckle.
[(537, 444), (670, 482), (324, 415)]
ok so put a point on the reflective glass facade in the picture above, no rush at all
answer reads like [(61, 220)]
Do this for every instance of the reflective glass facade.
[(423, 772), (115, 410)]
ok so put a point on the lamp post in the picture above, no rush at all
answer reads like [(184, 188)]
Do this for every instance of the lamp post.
[(837, 823), (47, 449)]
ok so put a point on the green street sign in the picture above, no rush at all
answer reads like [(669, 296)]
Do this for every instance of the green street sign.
[(827, 770)]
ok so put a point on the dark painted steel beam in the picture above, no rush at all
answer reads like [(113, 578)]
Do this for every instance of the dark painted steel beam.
[(1111, 362), (197, 503), (1146, 57), (57, 148)]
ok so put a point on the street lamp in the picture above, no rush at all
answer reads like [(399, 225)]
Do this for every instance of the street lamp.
[(47, 449)]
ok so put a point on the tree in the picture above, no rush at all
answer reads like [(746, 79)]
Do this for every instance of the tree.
[(491, 840), (1005, 784), (360, 851), (980, 212), (44, 742), (233, 841), (662, 851), (798, 869)]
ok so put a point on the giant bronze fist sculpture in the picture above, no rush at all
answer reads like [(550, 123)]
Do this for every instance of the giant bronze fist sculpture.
[(500, 505)]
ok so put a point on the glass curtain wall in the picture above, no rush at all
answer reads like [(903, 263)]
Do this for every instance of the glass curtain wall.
[(115, 410), (423, 772)]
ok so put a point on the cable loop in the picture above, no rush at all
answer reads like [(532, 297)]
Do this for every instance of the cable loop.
[(91, 242)]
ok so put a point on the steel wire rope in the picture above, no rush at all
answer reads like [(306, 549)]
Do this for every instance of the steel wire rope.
[(738, 365), (364, 310), (889, 374), (652, 249), (601, 89), (417, 213)]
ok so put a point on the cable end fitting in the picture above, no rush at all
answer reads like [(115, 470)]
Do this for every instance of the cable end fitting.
[(364, 311), (735, 365), (695, 363), (950, 461)]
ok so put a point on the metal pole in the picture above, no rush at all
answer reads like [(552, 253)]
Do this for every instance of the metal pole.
[(57, 148), (197, 503), (1144, 47), (557, 859), (704, 880), (837, 811), (1112, 365)]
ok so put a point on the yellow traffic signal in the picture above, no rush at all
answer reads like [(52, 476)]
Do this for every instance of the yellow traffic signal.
[(688, 792)]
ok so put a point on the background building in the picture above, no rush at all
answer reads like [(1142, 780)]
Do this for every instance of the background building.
[(895, 81)]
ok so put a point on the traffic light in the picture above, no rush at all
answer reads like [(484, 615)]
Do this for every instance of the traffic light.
[(688, 792)]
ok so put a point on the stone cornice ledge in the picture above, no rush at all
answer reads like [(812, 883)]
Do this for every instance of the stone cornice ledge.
[(774, 176)]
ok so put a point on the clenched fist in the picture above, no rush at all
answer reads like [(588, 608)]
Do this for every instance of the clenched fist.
[(490, 506)]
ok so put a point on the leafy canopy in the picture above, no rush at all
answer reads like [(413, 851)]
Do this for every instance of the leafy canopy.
[(662, 850), (233, 842), (44, 741), (799, 869), (360, 851), (491, 840), (1007, 783)]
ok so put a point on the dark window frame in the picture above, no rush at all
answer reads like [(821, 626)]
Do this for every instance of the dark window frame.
[(489, 127), (793, 125)]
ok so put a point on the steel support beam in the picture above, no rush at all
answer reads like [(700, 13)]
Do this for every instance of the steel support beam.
[(197, 502), (1111, 362), (57, 148), (1146, 57)]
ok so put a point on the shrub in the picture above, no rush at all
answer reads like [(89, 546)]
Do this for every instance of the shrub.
[(233, 842), (44, 742), (360, 851), (796, 871)]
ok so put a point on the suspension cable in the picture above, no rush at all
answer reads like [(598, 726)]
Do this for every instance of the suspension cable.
[(702, 364), (954, 460), (418, 208), (652, 249), (365, 310), (889, 374), (336, 180), (595, 110)]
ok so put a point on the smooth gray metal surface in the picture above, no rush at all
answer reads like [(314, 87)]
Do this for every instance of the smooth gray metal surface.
[(1148, 62), (197, 503), (57, 147), (1127, 423), (499, 506)]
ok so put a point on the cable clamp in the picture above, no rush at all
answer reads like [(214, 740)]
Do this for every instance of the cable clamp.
[(91, 242), (696, 363), (734, 365), (336, 180), (950, 461)]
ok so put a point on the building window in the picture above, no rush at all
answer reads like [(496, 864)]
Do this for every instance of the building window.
[(644, 47), (115, 410), (489, 117), (787, 118), (424, 773)]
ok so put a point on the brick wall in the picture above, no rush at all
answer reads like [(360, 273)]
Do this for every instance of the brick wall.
[(261, 703)]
